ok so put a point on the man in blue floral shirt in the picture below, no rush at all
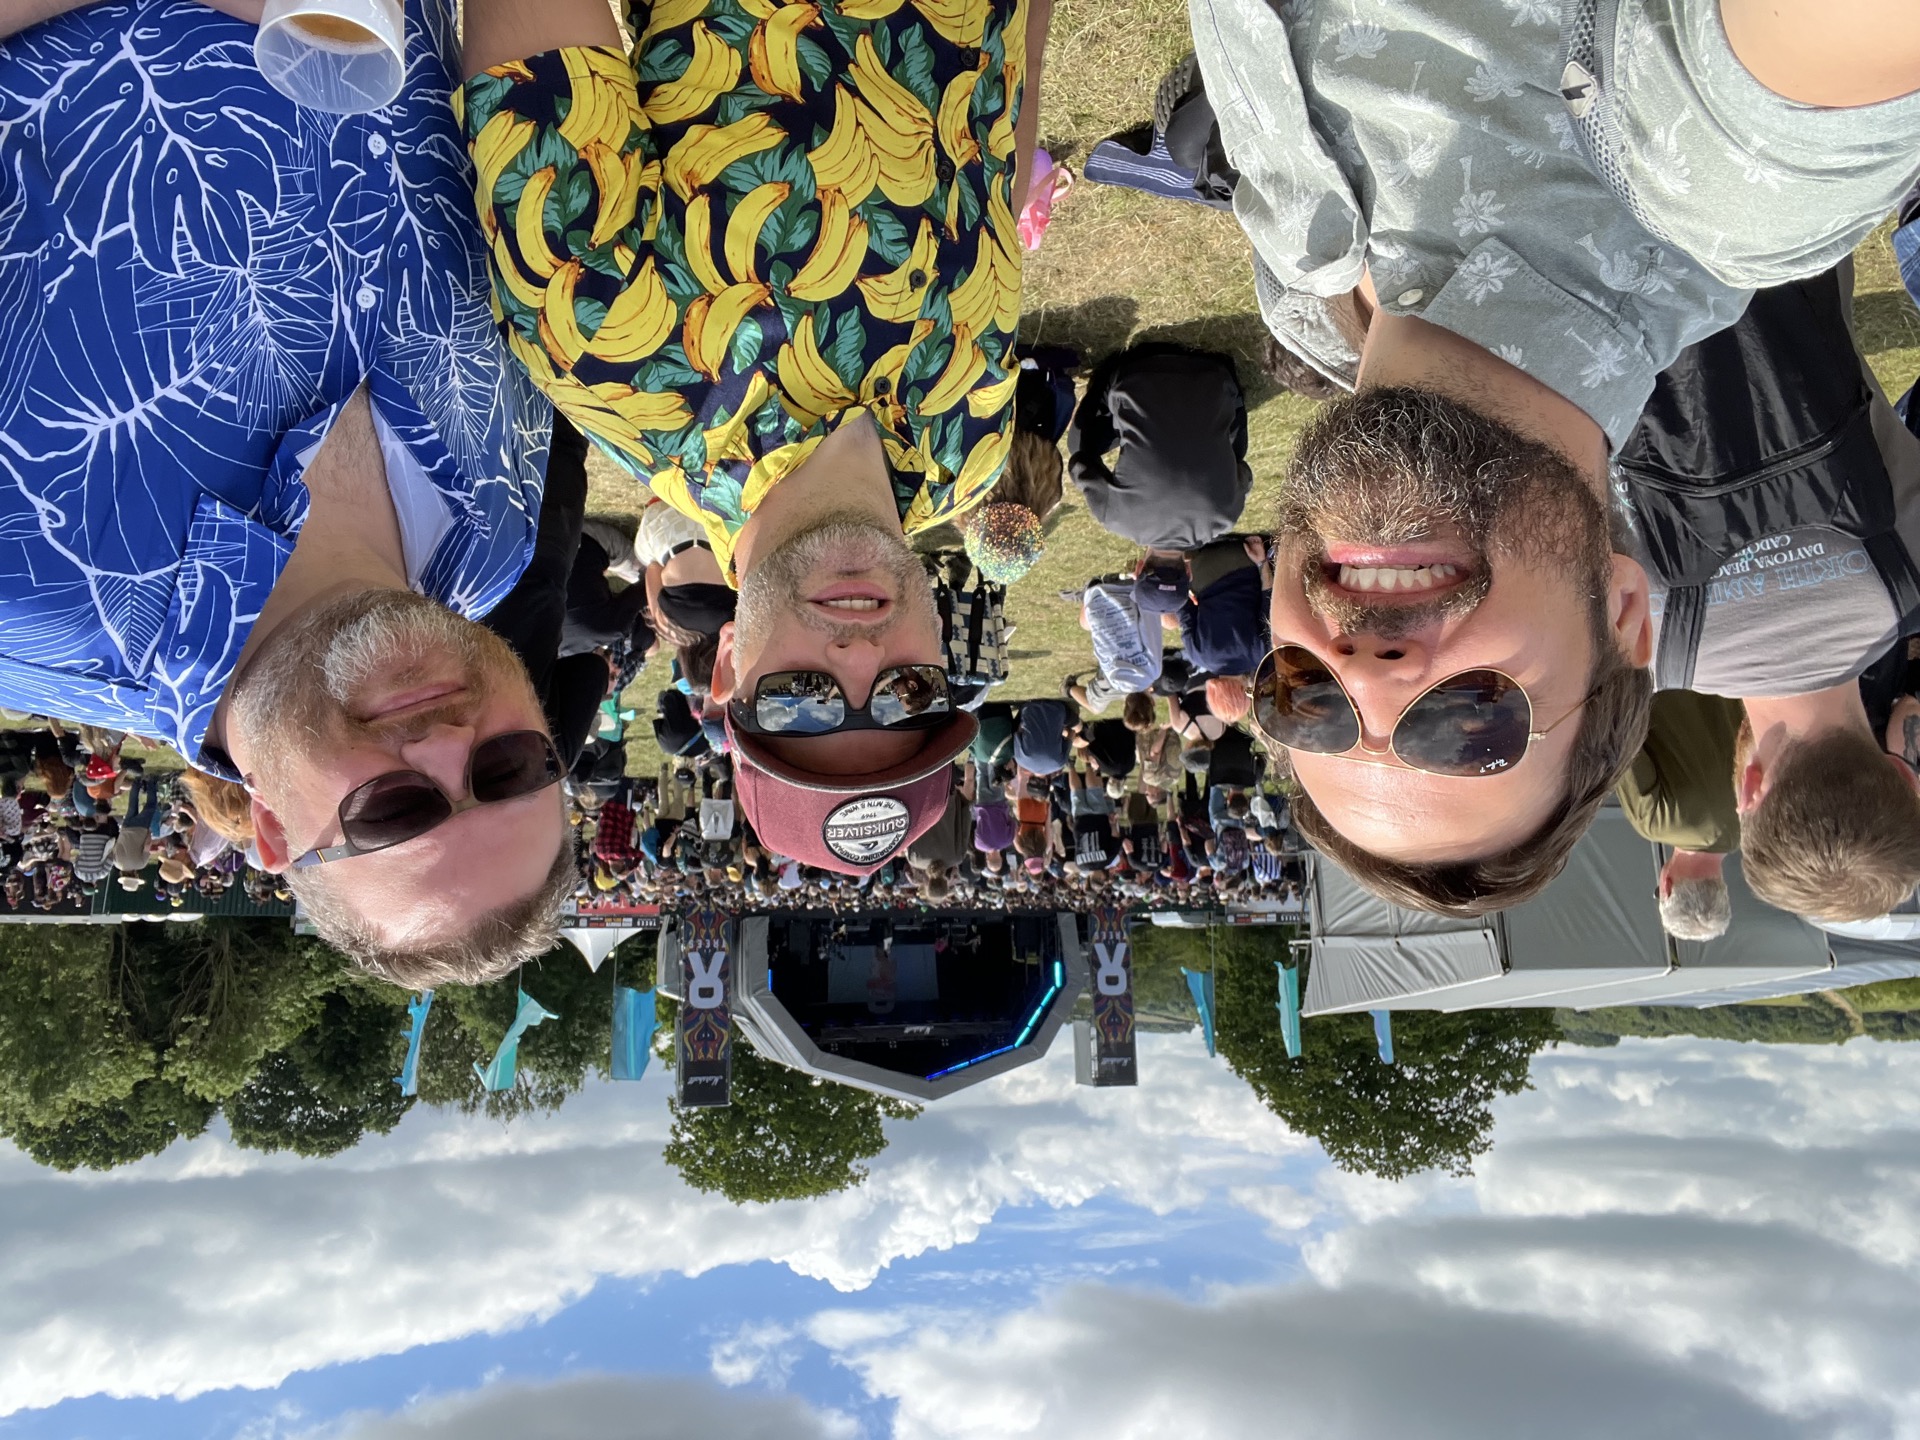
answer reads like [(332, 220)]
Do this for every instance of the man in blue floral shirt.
[(264, 459)]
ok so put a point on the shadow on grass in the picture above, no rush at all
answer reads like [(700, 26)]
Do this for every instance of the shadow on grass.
[(1098, 327), (1885, 320)]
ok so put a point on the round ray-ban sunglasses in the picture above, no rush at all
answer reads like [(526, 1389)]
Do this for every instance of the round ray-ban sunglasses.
[(1479, 722)]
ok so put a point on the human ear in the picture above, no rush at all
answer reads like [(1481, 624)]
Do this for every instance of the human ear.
[(1630, 610), (1749, 787), (724, 680), (269, 838)]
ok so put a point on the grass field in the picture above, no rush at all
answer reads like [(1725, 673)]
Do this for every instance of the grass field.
[(1119, 266)]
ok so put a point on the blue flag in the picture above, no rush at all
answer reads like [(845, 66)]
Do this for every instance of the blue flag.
[(409, 1077), (1200, 983), (633, 1021), (1383, 1034), (505, 1067), (1289, 1008)]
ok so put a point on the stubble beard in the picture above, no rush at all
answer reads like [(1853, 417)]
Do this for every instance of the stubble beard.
[(853, 543), (1396, 466)]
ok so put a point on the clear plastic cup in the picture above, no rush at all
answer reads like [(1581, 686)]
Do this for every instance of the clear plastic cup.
[(346, 56)]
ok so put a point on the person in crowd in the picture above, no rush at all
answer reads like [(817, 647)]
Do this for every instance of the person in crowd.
[(1126, 646), (1450, 518), (1178, 420), (269, 539), (1043, 737), (1679, 793), (1223, 623), (1777, 497), (806, 471)]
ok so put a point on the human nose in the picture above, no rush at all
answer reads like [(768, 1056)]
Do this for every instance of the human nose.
[(1381, 678), (856, 661), (442, 754)]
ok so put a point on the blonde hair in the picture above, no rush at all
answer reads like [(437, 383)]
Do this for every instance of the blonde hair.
[(1230, 697), (223, 806), (1033, 476)]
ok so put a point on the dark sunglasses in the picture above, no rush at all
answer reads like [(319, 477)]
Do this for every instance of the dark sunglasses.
[(1479, 722), (403, 805), (811, 702)]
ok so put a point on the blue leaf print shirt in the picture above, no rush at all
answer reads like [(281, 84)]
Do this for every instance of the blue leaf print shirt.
[(195, 275)]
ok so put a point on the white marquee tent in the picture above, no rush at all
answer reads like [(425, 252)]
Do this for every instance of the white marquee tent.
[(1592, 938)]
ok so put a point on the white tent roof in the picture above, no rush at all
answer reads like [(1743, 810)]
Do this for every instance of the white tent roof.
[(1592, 938), (596, 943)]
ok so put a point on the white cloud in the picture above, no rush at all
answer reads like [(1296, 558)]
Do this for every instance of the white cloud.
[(1102, 1364), (600, 1407), (1677, 1238), (212, 1266), (1667, 1238)]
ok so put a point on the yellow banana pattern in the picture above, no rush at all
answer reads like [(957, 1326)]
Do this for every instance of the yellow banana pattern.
[(772, 215)]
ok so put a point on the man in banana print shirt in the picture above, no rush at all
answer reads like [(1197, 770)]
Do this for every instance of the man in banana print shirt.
[(769, 262)]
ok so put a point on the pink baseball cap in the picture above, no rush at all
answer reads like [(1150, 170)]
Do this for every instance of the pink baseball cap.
[(850, 823)]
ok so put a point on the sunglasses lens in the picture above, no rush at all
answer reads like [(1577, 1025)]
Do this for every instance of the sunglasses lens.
[(511, 765), (910, 696), (1298, 703), (1474, 723), (392, 809), (799, 702)]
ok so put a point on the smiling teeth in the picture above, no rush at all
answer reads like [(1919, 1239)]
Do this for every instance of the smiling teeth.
[(1381, 578), (853, 602)]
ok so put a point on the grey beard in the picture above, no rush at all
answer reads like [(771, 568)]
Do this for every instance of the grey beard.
[(772, 587)]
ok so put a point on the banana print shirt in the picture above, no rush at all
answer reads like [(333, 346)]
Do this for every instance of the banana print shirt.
[(771, 219)]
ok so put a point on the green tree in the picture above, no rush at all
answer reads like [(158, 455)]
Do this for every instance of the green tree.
[(468, 1022), (101, 1136), (281, 1108), (786, 1136), (1811, 1021), (1432, 1110), (68, 1042)]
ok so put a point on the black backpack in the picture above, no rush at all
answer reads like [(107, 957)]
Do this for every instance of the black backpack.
[(1763, 428)]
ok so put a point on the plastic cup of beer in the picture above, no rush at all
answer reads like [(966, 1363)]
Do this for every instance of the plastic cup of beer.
[(346, 56)]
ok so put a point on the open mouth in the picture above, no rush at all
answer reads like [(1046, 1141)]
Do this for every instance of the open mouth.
[(1388, 574), (1394, 581), (854, 600)]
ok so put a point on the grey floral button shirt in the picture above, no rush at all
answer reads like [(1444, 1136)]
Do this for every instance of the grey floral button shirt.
[(1435, 151)]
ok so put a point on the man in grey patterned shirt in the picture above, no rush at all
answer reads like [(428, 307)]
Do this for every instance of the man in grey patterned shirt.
[(1499, 221)]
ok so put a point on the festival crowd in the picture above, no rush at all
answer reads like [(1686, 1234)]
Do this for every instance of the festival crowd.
[(296, 407)]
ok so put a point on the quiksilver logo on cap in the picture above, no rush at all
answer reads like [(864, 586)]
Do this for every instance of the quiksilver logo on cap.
[(866, 831)]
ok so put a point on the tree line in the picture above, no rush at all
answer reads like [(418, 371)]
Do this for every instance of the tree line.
[(119, 1040)]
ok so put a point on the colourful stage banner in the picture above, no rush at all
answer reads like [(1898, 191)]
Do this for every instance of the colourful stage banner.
[(703, 1043)]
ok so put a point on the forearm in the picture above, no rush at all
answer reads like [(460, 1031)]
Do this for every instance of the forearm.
[(498, 32), (1835, 53), (1026, 130), (18, 15)]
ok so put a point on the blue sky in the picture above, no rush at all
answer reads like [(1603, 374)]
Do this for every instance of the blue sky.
[(1661, 1235)]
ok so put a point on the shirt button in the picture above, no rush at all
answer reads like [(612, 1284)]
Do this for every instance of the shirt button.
[(1410, 297), (366, 297), (943, 169), (377, 144), (916, 278)]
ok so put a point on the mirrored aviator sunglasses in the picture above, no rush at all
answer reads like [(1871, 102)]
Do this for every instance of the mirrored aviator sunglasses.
[(811, 702), (403, 805), (1479, 722)]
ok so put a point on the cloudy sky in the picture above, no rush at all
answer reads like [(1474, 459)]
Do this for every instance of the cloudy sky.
[(1668, 1238)]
